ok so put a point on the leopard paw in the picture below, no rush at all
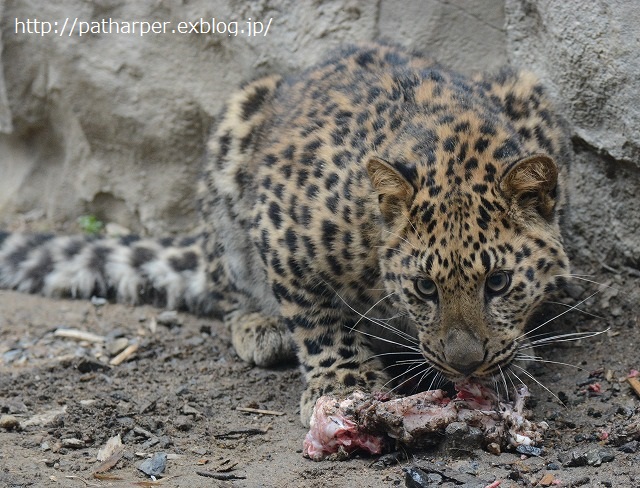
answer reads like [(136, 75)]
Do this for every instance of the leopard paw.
[(259, 339)]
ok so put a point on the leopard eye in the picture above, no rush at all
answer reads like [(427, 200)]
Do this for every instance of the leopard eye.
[(498, 282), (426, 288)]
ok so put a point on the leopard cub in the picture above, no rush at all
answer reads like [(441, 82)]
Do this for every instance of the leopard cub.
[(374, 207)]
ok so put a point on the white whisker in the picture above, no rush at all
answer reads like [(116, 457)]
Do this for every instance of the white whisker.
[(578, 309), (423, 363), (582, 278), (403, 335), (401, 238), (538, 359), (504, 381), (558, 316), (364, 315), (534, 379), (573, 336)]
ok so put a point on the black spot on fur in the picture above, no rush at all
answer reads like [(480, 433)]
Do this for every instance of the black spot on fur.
[(20, 254), (73, 248), (313, 348), (186, 262), (507, 150), (450, 144), (530, 274), (485, 259), (349, 380), (38, 273), (224, 143), (141, 256), (245, 142), (326, 363), (253, 103), (329, 231), (128, 240)]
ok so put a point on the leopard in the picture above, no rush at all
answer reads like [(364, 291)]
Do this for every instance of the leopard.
[(372, 207)]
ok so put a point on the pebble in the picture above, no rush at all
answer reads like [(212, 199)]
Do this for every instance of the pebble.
[(9, 422), (459, 435), (73, 443), (154, 466), (630, 447), (90, 365), (169, 318), (390, 459), (494, 448), (529, 450), (98, 301), (416, 478), (183, 423), (116, 346), (592, 457), (11, 355)]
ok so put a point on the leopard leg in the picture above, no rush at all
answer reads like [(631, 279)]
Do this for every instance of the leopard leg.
[(259, 339), (335, 358)]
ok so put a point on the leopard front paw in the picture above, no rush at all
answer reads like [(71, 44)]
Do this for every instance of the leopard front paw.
[(259, 339)]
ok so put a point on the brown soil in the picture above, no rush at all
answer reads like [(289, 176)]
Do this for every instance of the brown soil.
[(180, 392)]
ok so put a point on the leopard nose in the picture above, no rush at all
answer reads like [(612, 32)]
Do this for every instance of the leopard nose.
[(463, 351), (465, 368)]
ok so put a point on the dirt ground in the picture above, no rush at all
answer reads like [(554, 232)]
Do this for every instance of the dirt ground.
[(180, 394)]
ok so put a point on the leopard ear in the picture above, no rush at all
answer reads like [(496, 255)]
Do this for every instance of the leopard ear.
[(531, 183), (394, 191)]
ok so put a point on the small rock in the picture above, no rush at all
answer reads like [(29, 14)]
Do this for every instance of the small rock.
[(113, 444), (472, 468), (576, 460), (154, 466), (116, 346), (630, 447), (89, 365), (434, 479), (165, 441), (416, 478), (459, 437), (530, 450), (13, 406), (592, 457), (390, 459), (169, 318), (494, 448), (183, 423), (73, 443), (98, 301), (194, 341), (11, 355), (189, 410), (595, 457), (9, 422), (626, 412), (547, 480)]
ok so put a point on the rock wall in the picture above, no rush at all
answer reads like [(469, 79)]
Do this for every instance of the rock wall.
[(589, 55), (114, 124)]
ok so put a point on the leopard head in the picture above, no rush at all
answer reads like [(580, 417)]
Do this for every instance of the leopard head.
[(470, 258)]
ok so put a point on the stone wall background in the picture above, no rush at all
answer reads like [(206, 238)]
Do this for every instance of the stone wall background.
[(114, 125)]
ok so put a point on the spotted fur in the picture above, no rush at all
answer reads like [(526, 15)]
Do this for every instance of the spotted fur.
[(372, 204)]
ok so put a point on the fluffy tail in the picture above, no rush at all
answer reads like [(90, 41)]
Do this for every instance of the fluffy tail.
[(129, 269)]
